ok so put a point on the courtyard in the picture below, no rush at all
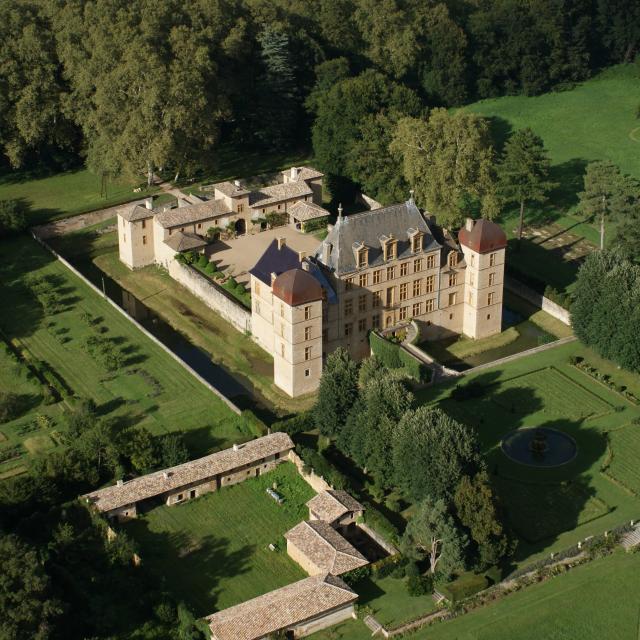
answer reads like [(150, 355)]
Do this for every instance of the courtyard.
[(213, 552)]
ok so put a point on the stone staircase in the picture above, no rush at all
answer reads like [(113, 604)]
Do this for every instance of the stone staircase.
[(373, 624), (437, 596), (631, 539)]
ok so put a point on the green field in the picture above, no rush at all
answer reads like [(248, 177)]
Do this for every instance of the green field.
[(551, 509), (624, 466), (213, 552), (149, 389)]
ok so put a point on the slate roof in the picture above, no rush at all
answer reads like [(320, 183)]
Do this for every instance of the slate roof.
[(297, 286), (192, 213), (135, 212), (267, 196), (182, 241), (275, 260), (281, 609), (304, 211), (325, 547), (154, 484), (368, 227), (331, 505)]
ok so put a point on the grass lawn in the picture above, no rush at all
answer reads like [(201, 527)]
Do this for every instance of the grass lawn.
[(150, 388), (97, 253), (591, 602), (595, 120), (213, 552), (552, 508)]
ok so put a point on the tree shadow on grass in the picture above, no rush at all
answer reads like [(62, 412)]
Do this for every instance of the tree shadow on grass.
[(500, 130), (202, 440), (569, 177)]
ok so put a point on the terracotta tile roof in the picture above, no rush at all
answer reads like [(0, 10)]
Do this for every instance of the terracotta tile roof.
[(131, 213), (281, 609), (192, 213), (279, 193), (229, 189), (325, 547), (154, 484), (304, 211), (182, 241), (331, 505)]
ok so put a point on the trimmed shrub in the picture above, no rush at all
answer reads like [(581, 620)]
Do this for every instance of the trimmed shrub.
[(202, 261), (210, 268), (322, 467), (419, 585)]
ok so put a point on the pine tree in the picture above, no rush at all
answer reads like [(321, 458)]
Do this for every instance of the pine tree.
[(524, 171)]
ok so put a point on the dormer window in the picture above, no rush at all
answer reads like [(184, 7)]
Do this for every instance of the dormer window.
[(389, 247), (361, 252), (453, 258)]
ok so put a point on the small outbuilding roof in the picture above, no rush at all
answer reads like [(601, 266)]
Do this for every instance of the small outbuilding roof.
[(154, 484), (279, 193), (304, 211), (131, 213), (281, 609), (483, 237), (304, 173), (230, 189), (297, 286), (331, 505), (182, 241), (192, 213), (325, 547)]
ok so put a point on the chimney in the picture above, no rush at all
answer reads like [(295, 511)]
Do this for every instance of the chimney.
[(282, 242), (305, 266), (236, 447), (120, 483), (294, 173), (165, 475), (274, 275), (326, 252), (148, 202), (236, 183), (411, 200), (340, 211), (301, 256), (468, 224)]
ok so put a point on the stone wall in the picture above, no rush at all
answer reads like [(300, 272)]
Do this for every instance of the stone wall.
[(201, 287), (538, 300), (316, 482)]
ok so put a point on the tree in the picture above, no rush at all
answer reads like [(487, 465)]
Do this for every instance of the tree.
[(477, 509), (432, 452), (27, 609), (524, 171), (448, 160), (172, 450), (337, 393), (142, 450), (607, 194), (13, 217), (431, 532), (9, 406)]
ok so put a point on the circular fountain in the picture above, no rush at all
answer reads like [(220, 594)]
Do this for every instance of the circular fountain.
[(540, 447)]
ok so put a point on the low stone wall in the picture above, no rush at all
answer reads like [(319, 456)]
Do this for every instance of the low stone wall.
[(387, 546), (201, 287), (538, 300), (316, 482)]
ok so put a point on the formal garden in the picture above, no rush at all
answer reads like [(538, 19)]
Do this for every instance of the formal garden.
[(215, 551)]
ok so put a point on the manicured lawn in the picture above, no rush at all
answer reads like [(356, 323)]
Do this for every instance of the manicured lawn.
[(351, 630), (624, 466), (95, 254), (552, 508), (150, 388), (591, 602), (213, 552)]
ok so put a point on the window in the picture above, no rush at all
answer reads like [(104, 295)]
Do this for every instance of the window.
[(416, 243), (348, 328), (348, 284), (307, 373), (492, 279), (492, 260), (488, 316), (404, 291), (404, 269), (307, 333), (144, 239), (403, 313), (182, 229), (417, 265), (362, 325), (429, 305), (199, 225), (307, 353), (473, 259), (390, 249), (180, 496), (388, 321), (377, 299), (376, 276), (144, 224), (453, 279), (429, 283), (257, 307), (279, 207), (124, 236), (264, 211), (256, 288), (490, 298), (453, 258), (307, 313), (431, 261), (282, 312), (362, 302), (471, 278), (417, 309), (390, 296), (282, 349), (216, 222), (391, 273), (363, 256), (470, 298), (348, 307), (416, 288), (241, 208), (375, 321), (452, 298), (281, 330), (451, 316), (362, 280)]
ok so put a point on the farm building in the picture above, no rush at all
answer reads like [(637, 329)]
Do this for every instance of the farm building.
[(191, 479), (338, 508), (301, 608)]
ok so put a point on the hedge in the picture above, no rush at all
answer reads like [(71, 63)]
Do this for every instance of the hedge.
[(299, 423), (393, 356), (322, 467)]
